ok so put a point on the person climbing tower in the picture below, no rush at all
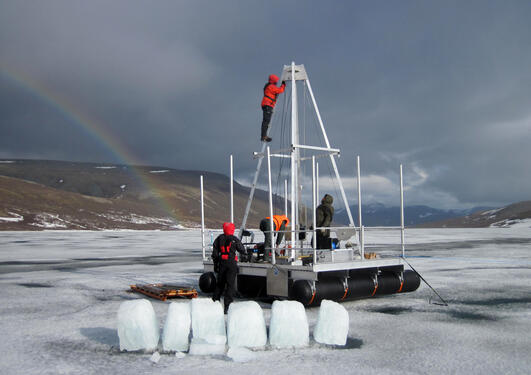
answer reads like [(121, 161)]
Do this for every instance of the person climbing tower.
[(271, 91)]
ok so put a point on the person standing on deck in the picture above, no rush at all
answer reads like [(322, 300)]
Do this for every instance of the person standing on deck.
[(271, 91), (324, 215), (225, 263), (280, 223)]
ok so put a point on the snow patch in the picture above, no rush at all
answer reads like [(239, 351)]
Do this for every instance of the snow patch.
[(513, 223), (492, 212), (105, 167), (160, 171), (7, 161), (137, 219), (50, 221), (15, 218)]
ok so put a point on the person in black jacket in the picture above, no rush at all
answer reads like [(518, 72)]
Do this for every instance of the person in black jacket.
[(225, 263), (324, 215)]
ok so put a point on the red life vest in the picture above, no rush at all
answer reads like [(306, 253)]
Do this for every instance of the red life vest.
[(226, 253)]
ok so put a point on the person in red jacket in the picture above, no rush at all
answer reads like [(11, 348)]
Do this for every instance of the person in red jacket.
[(271, 92)]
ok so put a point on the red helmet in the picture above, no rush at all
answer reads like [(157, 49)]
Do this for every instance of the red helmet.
[(273, 79), (228, 229)]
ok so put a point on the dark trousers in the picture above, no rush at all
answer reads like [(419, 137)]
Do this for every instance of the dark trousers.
[(323, 241), (226, 282), (268, 112), (265, 226)]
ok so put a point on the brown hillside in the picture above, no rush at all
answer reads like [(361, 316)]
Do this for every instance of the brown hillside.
[(96, 196)]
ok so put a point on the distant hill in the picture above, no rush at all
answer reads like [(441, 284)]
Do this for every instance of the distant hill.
[(377, 214), (512, 215), (37, 194)]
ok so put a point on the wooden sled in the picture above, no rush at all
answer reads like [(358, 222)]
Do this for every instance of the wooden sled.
[(164, 291)]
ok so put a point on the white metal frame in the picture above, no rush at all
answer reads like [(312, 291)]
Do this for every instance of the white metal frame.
[(298, 73)]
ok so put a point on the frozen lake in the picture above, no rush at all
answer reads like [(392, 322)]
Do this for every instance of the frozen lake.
[(60, 293)]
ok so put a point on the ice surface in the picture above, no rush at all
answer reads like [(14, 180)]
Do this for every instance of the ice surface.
[(289, 325), (332, 324), (51, 324), (176, 331), (241, 354), (246, 325), (138, 327), (180, 355), (200, 346), (208, 320)]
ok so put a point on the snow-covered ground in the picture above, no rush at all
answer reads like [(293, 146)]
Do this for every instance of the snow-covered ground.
[(60, 292)]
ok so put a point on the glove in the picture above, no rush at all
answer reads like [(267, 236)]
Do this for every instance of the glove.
[(284, 83)]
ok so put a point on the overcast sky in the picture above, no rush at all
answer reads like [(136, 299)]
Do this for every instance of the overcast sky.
[(442, 87)]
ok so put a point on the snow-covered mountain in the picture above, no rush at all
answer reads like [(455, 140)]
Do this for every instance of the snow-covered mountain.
[(377, 214), (514, 215)]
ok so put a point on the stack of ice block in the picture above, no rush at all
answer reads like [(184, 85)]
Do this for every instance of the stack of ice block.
[(177, 327), (332, 324), (138, 327), (289, 325), (246, 325), (208, 327)]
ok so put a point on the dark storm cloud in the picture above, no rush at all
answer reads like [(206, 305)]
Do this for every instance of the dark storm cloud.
[(443, 88)]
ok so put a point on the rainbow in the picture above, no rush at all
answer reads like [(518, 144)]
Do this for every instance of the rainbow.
[(90, 126)]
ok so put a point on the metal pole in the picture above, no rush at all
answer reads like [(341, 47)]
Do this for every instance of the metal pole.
[(402, 239), (317, 181), (202, 219), (286, 198), (362, 230), (314, 218), (231, 191), (273, 261), (332, 159), (358, 167), (293, 194), (251, 194)]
